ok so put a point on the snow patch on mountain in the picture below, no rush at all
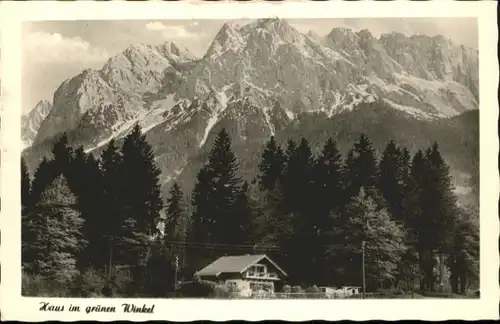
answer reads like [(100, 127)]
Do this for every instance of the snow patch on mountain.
[(267, 111), (155, 116), (290, 114), (180, 101), (118, 131), (418, 114), (175, 173), (435, 92), (214, 117)]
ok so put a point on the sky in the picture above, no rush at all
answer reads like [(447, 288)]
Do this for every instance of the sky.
[(56, 50)]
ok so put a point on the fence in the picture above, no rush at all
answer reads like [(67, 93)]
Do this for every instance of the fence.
[(281, 295), (306, 295), (303, 295), (337, 296)]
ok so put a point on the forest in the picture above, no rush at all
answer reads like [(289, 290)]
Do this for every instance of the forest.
[(99, 226)]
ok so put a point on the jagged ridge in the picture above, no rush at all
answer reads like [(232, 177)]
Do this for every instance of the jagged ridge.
[(255, 80)]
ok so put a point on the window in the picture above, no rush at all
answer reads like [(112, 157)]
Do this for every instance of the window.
[(260, 269), (268, 286), (255, 286)]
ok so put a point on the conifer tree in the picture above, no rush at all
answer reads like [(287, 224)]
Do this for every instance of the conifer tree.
[(57, 227), (175, 222), (62, 154), (298, 201), (246, 212), (202, 219), (297, 179), (175, 225), (441, 201), (328, 184), (405, 178), (226, 187), (430, 210), (391, 181), (26, 234), (102, 212), (415, 220), (271, 165), (43, 177), (439, 210), (273, 226), (405, 165), (215, 196), (463, 260), (327, 199), (25, 186), (361, 169), (414, 199), (333, 237), (408, 269), (83, 178), (202, 208), (140, 197), (291, 147), (160, 269)]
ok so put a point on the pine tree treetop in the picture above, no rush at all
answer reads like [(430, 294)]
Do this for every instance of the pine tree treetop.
[(58, 193)]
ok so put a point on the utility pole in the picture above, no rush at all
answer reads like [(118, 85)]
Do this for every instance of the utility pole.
[(175, 273), (363, 266)]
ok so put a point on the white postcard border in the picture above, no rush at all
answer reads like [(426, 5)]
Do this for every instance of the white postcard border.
[(15, 307)]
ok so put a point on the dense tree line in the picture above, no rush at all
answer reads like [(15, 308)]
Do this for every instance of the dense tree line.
[(314, 215), (82, 213)]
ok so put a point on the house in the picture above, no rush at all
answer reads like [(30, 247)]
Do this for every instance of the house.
[(248, 275), (328, 291), (347, 291)]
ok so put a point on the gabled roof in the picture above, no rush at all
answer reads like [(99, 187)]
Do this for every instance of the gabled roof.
[(234, 264)]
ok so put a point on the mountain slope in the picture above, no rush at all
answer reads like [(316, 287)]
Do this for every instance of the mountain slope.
[(106, 100), (458, 138), (266, 78), (30, 122)]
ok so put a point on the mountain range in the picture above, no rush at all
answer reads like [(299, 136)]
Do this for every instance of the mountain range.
[(266, 78)]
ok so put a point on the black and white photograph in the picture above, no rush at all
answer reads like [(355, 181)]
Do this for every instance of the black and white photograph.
[(263, 158), (251, 158)]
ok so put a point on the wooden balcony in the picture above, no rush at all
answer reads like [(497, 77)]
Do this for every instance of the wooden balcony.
[(261, 275)]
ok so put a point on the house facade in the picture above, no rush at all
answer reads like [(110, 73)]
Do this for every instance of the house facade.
[(246, 275)]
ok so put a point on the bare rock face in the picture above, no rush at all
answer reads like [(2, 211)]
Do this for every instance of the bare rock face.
[(30, 122), (115, 96), (255, 81)]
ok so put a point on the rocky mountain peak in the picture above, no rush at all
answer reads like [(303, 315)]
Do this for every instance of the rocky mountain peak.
[(341, 38), (365, 34), (31, 121), (273, 24), (314, 36), (280, 29), (393, 36), (245, 74), (42, 105), (172, 50), (227, 34)]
